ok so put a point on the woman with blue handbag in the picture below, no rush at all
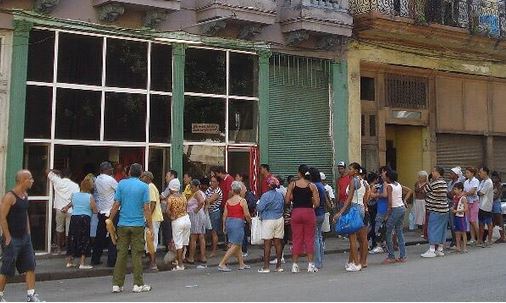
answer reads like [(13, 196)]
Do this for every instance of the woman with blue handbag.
[(350, 220)]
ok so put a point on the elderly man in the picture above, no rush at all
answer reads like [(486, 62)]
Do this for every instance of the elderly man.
[(18, 252), (156, 212), (132, 200)]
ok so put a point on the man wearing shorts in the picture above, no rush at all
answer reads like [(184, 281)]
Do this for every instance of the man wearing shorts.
[(486, 194), (17, 246)]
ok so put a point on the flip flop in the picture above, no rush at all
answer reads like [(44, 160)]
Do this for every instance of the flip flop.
[(246, 266), (224, 269)]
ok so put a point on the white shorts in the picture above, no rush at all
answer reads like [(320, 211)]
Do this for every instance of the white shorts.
[(273, 229), (62, 222), (181, 231)]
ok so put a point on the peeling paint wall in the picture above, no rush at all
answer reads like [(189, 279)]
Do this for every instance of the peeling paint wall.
[(5, 66)]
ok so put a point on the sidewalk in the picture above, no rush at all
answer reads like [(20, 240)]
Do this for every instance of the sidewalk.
[(53, 267)]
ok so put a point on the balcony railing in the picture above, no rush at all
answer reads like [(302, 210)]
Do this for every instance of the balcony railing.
[(478, 16)]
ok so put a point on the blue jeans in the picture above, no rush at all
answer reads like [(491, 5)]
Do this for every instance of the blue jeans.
[(318, 242), (395, 221)]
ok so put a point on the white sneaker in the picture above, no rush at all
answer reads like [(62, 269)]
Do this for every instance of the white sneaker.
[(377, 250), (275, 261), (429, 254), (346, 266), (178, 268), (117, 289), (85, 266), (141, 288), (440, 253), (244, 255), (312, 268), (295, 268), (352, 267)]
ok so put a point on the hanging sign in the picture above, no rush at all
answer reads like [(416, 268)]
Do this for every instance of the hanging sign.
[(205, 128)]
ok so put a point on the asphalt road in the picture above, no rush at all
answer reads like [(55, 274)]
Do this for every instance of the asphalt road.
[(479, 275)]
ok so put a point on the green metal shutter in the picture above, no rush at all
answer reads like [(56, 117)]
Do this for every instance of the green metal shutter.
[(299, 114)]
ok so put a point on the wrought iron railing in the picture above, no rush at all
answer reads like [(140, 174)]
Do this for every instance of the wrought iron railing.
[(478, 16)]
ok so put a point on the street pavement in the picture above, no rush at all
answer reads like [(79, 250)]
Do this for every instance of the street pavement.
[(476, 276)]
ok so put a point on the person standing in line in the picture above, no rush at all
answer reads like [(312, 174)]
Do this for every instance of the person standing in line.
[(105, 186), (486, 194), (235, 213), (187, 192), (251, 200), (372, 179), (17, 241), (470, 190), (437, 206), (225, 184), (395, 216), (496, 208), (156, 214), (287, 237), (459, 221), (181, 225), (166, 225), (196, 206), (419, 202), (119, 172), (78, 242), (265, 172), (380, 194), (320, 217), (270, 210), (214, 196), (132, 201), (305, 198), (454, 179), (63, 190), (343, 182)]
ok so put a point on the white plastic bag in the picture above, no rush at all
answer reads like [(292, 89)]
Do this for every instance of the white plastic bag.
[(412, 219), (256, 231), (326, 223)]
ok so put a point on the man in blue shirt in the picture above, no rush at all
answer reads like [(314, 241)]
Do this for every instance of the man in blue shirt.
[(132, 200)]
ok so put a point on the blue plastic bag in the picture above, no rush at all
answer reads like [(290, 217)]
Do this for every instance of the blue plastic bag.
[(350, 222)]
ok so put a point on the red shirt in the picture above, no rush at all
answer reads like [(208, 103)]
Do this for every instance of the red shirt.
[(342, 184), (265, 186), (226, 188)]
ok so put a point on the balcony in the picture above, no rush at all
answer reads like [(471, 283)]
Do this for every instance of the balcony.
[(321, 17), (155, 11)]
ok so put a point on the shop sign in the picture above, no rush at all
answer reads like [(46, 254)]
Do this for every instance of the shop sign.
[(205, 128)]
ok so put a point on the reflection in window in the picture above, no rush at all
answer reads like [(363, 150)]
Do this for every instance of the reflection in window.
[(243, 75), (242, 121), (204, 119), (205, 71), (198, 160), (36, 160), (37, 211), (161, 67), (159, 164), (40, 56), (125, 117), (38, 112), (79, 59), (159, 119), (126, 63), (77, 114)]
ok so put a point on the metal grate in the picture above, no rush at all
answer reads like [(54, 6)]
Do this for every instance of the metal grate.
[(406, 91), (300, 71)]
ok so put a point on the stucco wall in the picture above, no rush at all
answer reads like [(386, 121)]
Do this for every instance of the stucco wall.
[(5, 66)]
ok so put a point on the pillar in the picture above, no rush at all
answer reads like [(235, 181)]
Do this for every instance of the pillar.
[(177, 126), (263, 106), (339, 112)]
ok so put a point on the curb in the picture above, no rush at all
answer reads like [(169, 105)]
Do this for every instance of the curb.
[(101, 272)]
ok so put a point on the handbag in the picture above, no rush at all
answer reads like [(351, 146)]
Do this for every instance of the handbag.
[(351, 221), (256, 231), (326, 223)]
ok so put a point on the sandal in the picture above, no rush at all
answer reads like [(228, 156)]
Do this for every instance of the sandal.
[(246, 266), (263, 270), (279, 270), (224, 269)]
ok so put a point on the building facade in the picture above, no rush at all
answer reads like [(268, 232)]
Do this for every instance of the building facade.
[(174, 84)]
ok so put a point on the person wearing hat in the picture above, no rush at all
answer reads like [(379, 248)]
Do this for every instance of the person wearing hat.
[(181, 224), (328, 189), (270, 209), (156, 213), (455, 174), (342, 184), (105, 187)]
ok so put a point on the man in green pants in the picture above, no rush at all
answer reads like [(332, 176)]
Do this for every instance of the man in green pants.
[(132, 200)]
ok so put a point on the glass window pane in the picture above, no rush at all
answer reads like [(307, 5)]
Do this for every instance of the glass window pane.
[(243, 75), (37, 210), (367, 88), (40, 56), (36, 160), (159, 164), (77, 114), (198, 160), (205, 71), (125, 117), (242, 121), (161, 67), (204, 119), (79, 59), (38, 112), (127, 63), (160, 119)]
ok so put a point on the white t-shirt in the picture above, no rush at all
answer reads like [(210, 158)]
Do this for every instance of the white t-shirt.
[(396, 195), (358, 195), (105, 187), (63, 190), (330, 191), (487, 199), (468, 186)]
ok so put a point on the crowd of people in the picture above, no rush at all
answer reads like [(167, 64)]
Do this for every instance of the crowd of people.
[(127, 213)]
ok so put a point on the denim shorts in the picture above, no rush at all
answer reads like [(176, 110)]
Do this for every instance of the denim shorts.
[(18, 255), (235, 230), (215, 218), (484, 217), (496, 207)]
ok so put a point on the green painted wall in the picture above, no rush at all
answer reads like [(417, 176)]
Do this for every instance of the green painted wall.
[(340, 129), (177, 127), (263, 106)]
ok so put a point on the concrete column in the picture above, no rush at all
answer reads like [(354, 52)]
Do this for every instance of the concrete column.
[(339, 111), (263, 106), (4, 102), (16, 123), (354, 110), (177, 126)]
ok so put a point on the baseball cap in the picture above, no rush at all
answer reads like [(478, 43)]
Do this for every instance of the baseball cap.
[(457, 170), (322, 176), (341, 164), (174, 185)]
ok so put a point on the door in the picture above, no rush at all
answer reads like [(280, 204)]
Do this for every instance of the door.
[(405, 151), (244, 161)]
